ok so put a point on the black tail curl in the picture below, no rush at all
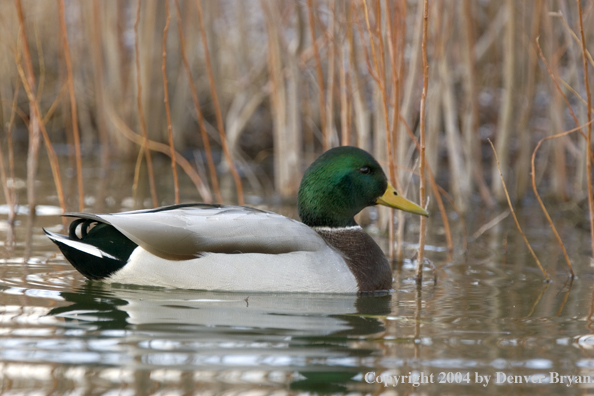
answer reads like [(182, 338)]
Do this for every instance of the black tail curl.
[(115, 247)]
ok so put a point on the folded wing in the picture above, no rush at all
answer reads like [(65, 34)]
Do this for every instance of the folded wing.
[(181, 232)]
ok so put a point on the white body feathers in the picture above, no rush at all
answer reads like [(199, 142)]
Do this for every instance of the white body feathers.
[(227, 248)]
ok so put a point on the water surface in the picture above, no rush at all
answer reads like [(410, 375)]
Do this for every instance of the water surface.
[(488, 312)]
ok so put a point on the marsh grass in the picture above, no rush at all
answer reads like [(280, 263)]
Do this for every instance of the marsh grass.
[(274, 83)]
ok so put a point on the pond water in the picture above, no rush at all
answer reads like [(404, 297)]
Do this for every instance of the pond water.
[(485, 314)]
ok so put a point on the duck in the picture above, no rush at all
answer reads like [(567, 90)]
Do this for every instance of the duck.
[(243, 249)]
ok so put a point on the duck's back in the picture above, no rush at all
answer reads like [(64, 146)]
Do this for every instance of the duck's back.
[(189, 230)]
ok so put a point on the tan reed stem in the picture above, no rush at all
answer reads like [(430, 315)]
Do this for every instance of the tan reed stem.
[(97, 51), (389, 130), (203, 134), (312, 31), (8, 196), (506, 110), (147, 152), (162, 148), (380, 73), (166, 100), (589, 136), (36, 124), (436, 189), (345, 103), (420, 255), (11, 198), (365, 52), (73, 111), (544, 209), (215, 99), (546, 275), (470, 126), (395, 60), (33, 149), (554, 78), (51, 153)]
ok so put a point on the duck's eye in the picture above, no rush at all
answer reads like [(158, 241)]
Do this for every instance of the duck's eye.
[(365, 170)]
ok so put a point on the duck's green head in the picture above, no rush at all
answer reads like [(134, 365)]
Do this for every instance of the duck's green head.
[(340, 183)]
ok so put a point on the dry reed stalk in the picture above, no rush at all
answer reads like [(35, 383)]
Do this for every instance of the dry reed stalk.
[(360, 110), (33, 149), (53, 158), (395, 52), (490, 224), (491, 34), (545, 287), (421, 251), (101, 187), (470, 122), (555, 79), (565, 298), (437, 192), (203, 134), (162, 148), (572, 33), (50, 112), (292, 162), (217, 107), (381, 81), (345, 103), (136, 180), (418, 322), (35, 125), (365, 52), (544, 209), (389, 128), (435, 188), (556, 113), (144, 147), (589, 136), (506, 109), (444, 216), (577, 95), (526, 110), (546, 275), (330, 32), (381, 72), (412, 81), (460, 183), (396, 49), (11, 197), (73, 111), (8, 194), (166, 100), (312, 31), (284, 94), (397, 61), (41, 61), (149, 58), (590, 315)]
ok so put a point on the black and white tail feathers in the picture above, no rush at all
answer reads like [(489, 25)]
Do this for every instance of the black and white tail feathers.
[(96, 249)]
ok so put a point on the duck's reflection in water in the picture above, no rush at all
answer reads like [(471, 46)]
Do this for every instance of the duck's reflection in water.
[(306, 335)]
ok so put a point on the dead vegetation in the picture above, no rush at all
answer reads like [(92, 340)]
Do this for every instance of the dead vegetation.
[(255, 79)]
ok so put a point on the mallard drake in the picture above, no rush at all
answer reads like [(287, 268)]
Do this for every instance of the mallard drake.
[(236, 248)]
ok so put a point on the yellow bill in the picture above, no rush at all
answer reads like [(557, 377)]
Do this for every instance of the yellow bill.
[(392, 199)]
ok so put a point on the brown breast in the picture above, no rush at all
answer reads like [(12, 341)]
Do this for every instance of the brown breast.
[(364, 257)]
